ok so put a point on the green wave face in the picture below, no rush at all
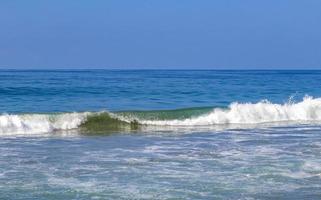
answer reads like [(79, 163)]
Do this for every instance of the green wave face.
[(130, 120), (104, 122)]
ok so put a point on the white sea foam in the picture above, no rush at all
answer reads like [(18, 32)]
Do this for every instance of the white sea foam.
[(39, 123), (253, 113), (241, 114)]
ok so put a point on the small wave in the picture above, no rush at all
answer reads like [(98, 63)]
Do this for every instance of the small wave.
[(242, 114)]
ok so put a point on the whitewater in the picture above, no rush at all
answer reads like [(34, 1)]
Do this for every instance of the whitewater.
[(306, 111)]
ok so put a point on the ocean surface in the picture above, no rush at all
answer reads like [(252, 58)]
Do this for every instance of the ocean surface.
[(153, 134)]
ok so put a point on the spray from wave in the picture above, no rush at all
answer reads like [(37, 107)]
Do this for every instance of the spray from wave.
[(308, 111)]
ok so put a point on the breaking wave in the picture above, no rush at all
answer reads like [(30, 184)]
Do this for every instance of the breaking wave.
[(306, 111)]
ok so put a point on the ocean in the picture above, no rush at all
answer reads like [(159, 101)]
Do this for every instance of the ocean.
[(160, 134)]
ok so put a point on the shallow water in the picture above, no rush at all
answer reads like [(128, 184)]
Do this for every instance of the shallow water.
[(260, 164), (273, 160)]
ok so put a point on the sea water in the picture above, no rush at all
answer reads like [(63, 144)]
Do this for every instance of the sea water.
[(153, 134)]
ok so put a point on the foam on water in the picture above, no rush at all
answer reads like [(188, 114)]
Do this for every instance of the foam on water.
[(39, 123), (306, 111)]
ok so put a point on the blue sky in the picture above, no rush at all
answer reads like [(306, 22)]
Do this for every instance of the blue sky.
[(161, 34)]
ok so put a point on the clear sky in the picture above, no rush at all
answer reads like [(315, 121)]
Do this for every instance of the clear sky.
[(182, 34)]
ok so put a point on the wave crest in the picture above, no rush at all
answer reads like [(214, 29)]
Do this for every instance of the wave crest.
[(254, 113), (308, 110)]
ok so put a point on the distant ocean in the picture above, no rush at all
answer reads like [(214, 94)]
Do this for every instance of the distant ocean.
[(154, 134)]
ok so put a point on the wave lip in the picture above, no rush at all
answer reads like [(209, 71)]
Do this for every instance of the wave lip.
[(242, 114)]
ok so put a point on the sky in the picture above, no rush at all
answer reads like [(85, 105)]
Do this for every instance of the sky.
[(160, 34)]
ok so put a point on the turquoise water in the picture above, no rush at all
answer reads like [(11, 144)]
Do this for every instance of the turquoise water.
[(100, 134)]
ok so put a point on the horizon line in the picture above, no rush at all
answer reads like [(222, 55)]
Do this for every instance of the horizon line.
[(159, 68), (163, 69)]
